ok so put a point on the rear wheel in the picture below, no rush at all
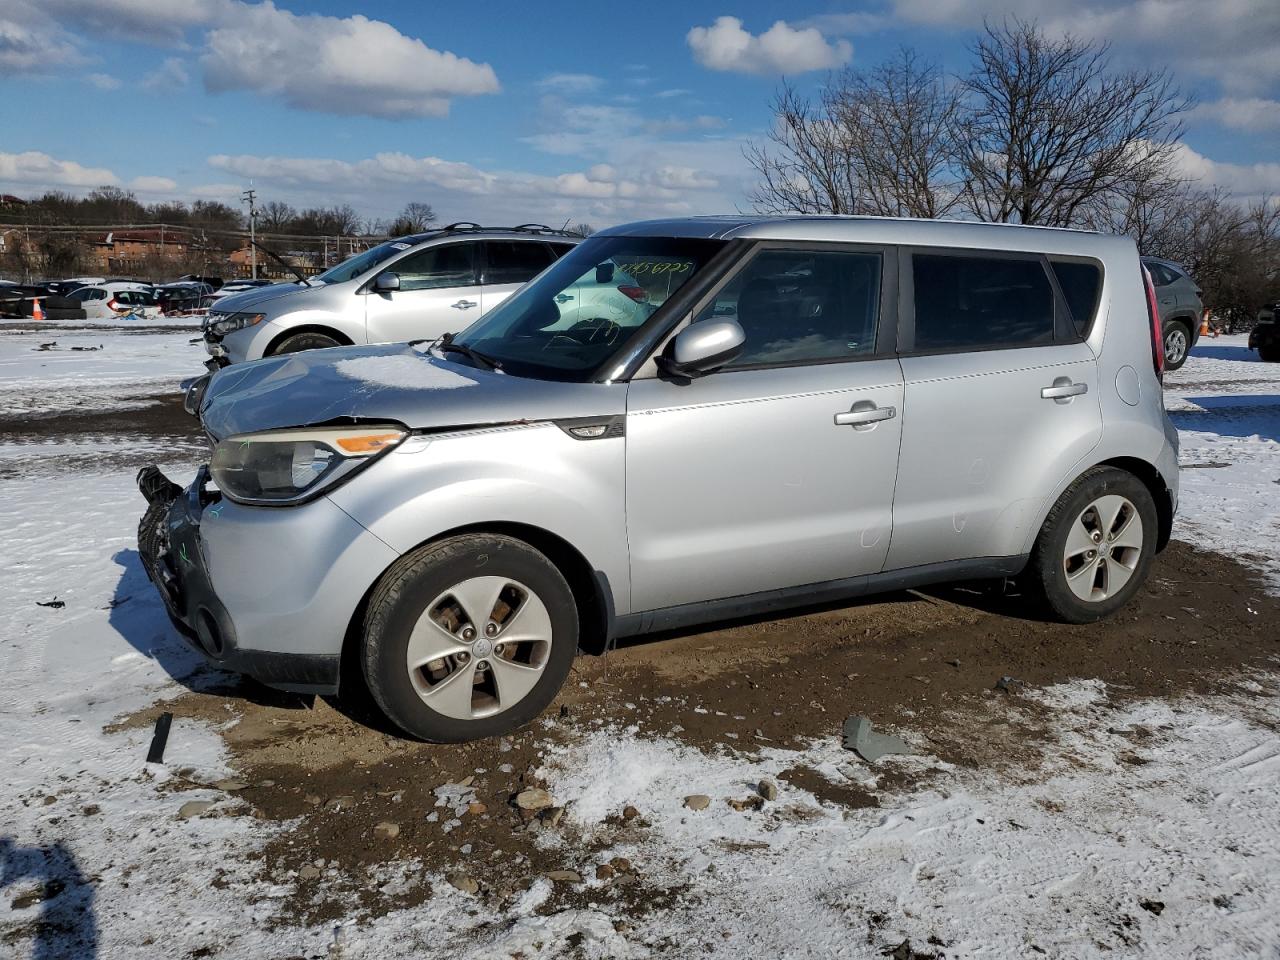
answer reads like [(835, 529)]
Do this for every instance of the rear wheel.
[(1269, 353), (1177, 344), (470, 637), (305, 341), (1095, 547)]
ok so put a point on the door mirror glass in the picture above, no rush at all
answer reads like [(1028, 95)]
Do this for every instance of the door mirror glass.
[(386, 282), (703, 347), (604, 272)]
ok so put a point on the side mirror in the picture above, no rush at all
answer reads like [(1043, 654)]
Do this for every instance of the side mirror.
[(701, 348), (604, 272), (386, 282)]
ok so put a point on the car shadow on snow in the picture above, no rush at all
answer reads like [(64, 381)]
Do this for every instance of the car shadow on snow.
[(1232, 415), (138, 615), (47, 882), (1223, 351)]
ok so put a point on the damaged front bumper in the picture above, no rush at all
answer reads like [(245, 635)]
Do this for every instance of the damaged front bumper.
[(172, 551)]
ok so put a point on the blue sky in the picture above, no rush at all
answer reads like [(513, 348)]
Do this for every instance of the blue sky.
[(505, 112)]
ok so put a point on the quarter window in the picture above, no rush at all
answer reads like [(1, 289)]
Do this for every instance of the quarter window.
[(514, 261), (801, 306), (977, 303), (1081, 283), (450, 265)]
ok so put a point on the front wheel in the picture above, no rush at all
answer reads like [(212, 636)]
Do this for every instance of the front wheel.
[(1095, 547), (469, 637), (1177, 344)]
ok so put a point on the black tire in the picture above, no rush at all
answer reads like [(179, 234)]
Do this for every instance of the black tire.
[(1269, 353), (1172, 330), (401, 600), (304, 341), (1046, 574)]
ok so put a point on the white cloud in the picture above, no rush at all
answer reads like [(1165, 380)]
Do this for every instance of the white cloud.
[(154, 185), (103, 81), (30, 43), (846, 24), (571, 83), (1231, 41), (1245, 180), (171, 75), (601, 190), (725, 45), (42, 171), (1251, 114), (348, 66), (142, 21)]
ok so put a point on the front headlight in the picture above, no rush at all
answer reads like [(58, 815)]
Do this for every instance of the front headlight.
[(223, 324), (290, 466)]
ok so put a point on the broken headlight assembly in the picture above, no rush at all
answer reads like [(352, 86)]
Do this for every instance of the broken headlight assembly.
[(283, 467), (231, 322)]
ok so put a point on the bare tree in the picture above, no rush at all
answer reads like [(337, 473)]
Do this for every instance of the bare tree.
[(582, 229), (899, 121), (1049, 129), (276, 216), (805, 165), (414, 218)]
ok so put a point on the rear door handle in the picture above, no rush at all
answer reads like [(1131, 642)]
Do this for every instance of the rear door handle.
[(1063, 390), (464, 304), (865, 413)]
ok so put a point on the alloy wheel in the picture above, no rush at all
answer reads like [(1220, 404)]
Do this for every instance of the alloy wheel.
[(1104, 546), (1175, 346), (480, 647)]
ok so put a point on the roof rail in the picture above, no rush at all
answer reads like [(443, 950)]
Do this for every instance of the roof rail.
[(466, 226)]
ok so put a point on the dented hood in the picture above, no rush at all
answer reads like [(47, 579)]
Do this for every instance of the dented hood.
[(388, 383)]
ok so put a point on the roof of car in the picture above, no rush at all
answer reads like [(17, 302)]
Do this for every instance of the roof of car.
[(853, 229), (525, 231)]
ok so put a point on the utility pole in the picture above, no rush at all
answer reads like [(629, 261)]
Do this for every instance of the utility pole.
[(249, 196)]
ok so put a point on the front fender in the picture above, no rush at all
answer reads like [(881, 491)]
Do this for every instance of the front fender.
[(535, 475)]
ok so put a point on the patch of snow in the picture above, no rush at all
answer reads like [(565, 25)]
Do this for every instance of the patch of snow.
[(405, 372)]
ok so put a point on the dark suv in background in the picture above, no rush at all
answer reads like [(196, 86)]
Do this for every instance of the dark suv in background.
[(1181, 309)]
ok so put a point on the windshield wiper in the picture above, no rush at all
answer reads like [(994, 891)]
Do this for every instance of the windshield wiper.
[(446, 345), (280, 260)]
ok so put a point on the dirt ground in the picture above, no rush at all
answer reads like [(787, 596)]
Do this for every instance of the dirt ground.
[(925, 664)]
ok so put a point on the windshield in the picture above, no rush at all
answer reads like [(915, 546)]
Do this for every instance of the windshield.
[(351, 268), (568, 321)]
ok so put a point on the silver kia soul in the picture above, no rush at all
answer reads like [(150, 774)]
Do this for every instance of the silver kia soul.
[(676, 422)]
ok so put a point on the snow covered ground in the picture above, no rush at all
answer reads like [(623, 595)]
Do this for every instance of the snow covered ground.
[(1149, 831), (56, 370)]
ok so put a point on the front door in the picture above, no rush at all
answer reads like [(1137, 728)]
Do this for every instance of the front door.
[(1001, 403), (778, 470), (509, 265), (439, 293)]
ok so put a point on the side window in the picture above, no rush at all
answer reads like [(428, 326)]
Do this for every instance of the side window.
[(558, 250), (980, 303), (1081, 282), (514, 261), (799, 306), (1161, 275), (449, 265)]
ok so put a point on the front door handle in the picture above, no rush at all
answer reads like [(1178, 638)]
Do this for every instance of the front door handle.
[(865, 414), (563, 297), (1063, 390), (464, 305)]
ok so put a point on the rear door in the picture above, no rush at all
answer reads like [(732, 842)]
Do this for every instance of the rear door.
[(508, 265), (439, 292), (753, 478), (1001, 401)]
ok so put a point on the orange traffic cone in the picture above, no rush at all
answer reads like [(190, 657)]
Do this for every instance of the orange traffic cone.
[(37, 312), (1204, 324)]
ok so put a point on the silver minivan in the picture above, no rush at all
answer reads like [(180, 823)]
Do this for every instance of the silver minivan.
[(409, 288), (773, 411)]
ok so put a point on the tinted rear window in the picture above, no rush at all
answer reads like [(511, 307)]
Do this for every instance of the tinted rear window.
[(515, 261), (980, 303), (1081, 282)]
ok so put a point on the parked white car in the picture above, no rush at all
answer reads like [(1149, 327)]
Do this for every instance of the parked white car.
[(122, 299)]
